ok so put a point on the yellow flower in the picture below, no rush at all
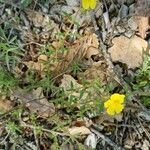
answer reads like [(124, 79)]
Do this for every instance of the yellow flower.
[(115, 104), (88, 4)]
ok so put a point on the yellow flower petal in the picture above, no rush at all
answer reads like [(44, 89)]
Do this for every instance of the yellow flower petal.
[(119, 109), (107, 103), (118, 97), (115, 104), (85, 4), (92, 4), (110, 111)]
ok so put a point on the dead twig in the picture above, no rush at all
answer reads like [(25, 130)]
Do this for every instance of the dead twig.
[(36, 138), (23, 124), (143, 128), (124, 128)]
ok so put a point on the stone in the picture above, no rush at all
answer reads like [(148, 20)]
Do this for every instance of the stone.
[(128, 51)]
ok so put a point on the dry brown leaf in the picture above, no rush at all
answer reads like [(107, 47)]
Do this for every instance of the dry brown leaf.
[(81, 48), (97, 71), (38, 19), (42, 58), (79, 130), (56, 45), (5, 105), (35, 65), (36, 102), (143, 24), (91, 51), (68, 82), (79, 122), (38, 66), (128, 51)]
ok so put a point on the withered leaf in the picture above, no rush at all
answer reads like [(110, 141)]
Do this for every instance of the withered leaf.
[(36, 102), (5, 105), (143, 25)]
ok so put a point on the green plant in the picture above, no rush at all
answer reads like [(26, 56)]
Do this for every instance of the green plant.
[(10, 52), (7, 81), (25, 3), (142, 81), (11, 127)]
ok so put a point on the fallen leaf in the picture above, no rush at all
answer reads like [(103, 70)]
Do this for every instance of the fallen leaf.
[(91, 141), (36, 102), (142, 16), (82, 122), (128, 51), (42, 58), (143, 24), (146, 145), (79, 130), (68, 82), (38, 18), (81, 48), (5, 105), (97, 71), (38, 66)]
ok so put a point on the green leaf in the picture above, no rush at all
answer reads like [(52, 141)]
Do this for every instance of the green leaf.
[(2, 34), (146, 101), (25, 3)]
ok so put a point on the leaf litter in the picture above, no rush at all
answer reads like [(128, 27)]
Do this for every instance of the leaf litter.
[(36, 102), (54, 37)]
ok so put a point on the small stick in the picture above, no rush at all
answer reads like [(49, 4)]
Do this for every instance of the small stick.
[(43, 129), (144, 129), (124, 128), (36, 138)]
